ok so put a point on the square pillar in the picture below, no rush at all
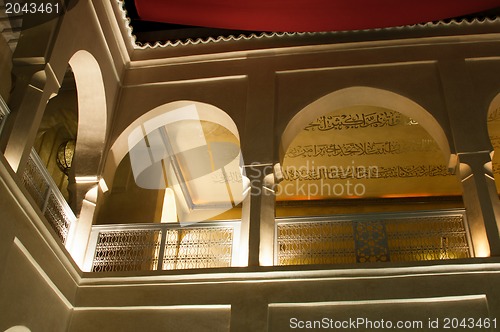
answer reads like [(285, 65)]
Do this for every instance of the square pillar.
[(481, 202)]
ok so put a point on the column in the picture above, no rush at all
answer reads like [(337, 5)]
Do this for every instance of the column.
[(268, 219), (481, 202), (251, 214), (78, 239), (27, 119), (258, 152), (472, 146)]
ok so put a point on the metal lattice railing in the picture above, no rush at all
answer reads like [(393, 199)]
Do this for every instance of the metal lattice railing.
[(168, 246), (401, 237), (127, 250), (300, 243), (4, 112), (47, 196), (198, 248)]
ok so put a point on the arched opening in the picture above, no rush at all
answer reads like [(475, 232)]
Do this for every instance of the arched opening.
[(92, 122), (56, 136), (366, 143), (68, 148), (186, 150), (177, 168), (70, 139), (364, 154)]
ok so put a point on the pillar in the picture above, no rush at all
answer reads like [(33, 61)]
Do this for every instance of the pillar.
[(258, 151), (80, 232), (481, 202), (27, 118)]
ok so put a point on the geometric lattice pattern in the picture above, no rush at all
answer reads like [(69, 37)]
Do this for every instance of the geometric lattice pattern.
[(3, 117), (432, 238), (371, 241), (364, 241), (127, 250), (43, 192), (4, 113), (198, 248), (56, 216), (301, 243), (35, 183), (180, 248)]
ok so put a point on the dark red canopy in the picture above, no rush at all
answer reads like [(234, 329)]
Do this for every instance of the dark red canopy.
[(305, 15)]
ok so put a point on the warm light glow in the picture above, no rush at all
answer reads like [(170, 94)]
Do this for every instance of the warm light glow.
[(266, 256), (482, 249), (82, 229), (169, 210), (86, 179)]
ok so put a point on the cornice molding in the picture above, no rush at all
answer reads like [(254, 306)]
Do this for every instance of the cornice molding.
[(462, 24)]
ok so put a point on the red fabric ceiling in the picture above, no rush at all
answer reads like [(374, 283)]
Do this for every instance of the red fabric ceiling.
[(305, 15)]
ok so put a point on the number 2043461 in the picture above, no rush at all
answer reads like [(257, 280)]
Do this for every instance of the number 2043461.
[(469, 323), (17, 8)]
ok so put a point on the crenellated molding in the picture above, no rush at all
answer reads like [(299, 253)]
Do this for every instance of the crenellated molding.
[(436, 27)]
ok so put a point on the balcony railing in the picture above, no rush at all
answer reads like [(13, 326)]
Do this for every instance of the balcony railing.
[(47, 196), (340, 239), (4, 112), (165, 246), (382, 237)]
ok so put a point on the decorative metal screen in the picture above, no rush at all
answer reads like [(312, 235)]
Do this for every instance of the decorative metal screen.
[(4, 112), (35, 183), (138, 247), (405, 238), (130, 250), (315, 243), (47, 196), (415, 239), (57, 217), (2, 118), (198, 248), (371, 241)]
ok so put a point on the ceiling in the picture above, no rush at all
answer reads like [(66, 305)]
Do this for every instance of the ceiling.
[(202, 18)]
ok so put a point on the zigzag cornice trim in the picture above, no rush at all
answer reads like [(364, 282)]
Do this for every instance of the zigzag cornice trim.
[(268, 35)]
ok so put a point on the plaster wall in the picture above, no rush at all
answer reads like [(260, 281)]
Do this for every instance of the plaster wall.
[(5, 69), (262, 90), (36, 287)]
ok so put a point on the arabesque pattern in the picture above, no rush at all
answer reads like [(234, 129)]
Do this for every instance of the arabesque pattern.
[(198, 248), (396, 239), (47, 196), (139, 247), (127, 250)]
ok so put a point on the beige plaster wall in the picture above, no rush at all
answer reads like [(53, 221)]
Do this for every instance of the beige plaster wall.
[(34, 284), (43, 290), (159, 318), (5, 69)]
